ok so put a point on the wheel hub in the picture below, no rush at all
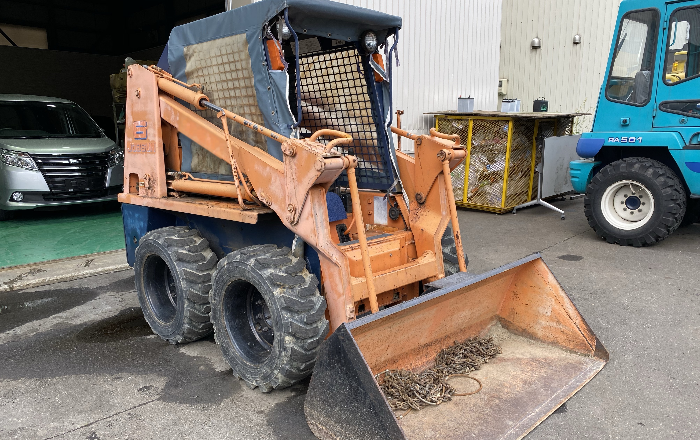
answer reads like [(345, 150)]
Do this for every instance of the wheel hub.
[(627, 205), (633, 203), (260, 318)]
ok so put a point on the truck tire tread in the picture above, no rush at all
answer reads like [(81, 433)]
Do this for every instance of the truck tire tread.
[(662, 180)]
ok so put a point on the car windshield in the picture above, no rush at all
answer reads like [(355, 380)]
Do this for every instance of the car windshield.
[(20, 120)]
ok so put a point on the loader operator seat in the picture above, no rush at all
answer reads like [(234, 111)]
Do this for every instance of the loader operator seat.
[(642, 83)]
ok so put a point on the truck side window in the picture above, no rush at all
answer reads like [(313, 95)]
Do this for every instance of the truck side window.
[(683, 49), (632, 68), (689, 107)]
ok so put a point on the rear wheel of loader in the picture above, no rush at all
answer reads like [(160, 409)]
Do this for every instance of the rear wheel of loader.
[(635, 202), (173, 268), (268, 316), (449, 253)]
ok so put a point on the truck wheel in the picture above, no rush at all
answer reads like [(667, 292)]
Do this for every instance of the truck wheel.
[(449, 253), (269, 318), (173, 269), (635, 201)]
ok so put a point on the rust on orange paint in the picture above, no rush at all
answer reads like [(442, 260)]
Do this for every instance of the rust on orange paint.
[(391, 257)]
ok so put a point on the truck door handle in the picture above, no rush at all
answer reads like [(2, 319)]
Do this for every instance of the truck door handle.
[(693, 142), (695, 136)]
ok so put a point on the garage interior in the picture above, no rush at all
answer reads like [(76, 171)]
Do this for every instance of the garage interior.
[(69, 49)]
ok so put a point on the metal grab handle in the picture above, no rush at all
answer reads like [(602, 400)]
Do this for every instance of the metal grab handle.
[(403, 133), (445, 156), (694, 136), (344, 138), (336, 142), (328, 132), (449, 137), (362, 238)]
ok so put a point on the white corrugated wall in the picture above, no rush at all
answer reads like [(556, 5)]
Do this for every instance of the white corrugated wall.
[(447, 48), (568, 75)]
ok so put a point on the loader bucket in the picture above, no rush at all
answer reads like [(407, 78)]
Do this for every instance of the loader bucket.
[(548, 353)]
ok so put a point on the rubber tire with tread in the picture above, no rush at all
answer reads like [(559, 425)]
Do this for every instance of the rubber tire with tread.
[(191, 263), (297, 314), (449, 253), (667, 190)]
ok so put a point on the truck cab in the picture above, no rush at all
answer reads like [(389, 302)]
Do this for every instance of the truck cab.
[(641, 166)]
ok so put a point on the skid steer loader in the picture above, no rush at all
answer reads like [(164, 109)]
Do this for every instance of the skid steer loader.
[(295, 231)]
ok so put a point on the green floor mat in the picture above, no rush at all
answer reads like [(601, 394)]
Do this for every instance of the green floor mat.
[(33, 236)]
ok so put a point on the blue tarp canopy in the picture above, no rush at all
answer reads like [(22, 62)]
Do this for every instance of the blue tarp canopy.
[(321, 18), (227, 55)]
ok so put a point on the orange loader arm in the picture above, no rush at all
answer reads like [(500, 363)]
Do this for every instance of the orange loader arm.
[(377, 272)]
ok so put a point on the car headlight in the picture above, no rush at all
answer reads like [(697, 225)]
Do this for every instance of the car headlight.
[(116, 156), (17, 159), (369, 42)]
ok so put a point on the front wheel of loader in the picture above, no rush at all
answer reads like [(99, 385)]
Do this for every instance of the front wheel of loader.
[(635, 202), (269, 318), (173, 268)]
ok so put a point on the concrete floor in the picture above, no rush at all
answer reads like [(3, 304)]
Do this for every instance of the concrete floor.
[(41, 235), (79, 361)]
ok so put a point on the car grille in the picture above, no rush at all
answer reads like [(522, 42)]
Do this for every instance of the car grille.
[(73, 176)]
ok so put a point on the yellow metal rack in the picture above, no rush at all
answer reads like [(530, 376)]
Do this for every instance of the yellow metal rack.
[(502, 151)]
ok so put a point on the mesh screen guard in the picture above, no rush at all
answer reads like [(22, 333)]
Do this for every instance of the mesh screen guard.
[(337, 92)]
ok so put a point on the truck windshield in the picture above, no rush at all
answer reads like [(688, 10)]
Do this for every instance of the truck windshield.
[(633, 59), (22, 120)]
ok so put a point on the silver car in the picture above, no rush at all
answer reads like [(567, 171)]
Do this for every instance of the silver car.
[(52, 153)]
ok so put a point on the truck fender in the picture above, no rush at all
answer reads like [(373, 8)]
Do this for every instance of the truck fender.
[(582, 173)]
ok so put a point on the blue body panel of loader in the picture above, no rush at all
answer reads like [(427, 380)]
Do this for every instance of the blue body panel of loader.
[(224, 236)]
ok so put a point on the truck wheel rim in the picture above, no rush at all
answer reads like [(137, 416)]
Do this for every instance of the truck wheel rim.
[(248, 322), (627, 205), (259, 318)]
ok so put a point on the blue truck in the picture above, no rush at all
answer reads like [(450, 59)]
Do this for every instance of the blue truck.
[(640, 170)]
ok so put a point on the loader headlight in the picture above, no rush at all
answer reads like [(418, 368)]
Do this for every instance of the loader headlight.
[(17, 159), (285, 33), (116, 157), (369, 41)]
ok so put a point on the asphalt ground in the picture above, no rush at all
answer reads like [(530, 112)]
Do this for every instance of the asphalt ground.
[(80, 362), (41, 234)]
